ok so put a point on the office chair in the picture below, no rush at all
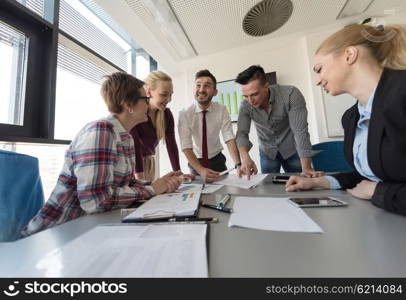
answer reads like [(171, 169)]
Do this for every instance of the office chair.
[(331, 158), (21, 194)]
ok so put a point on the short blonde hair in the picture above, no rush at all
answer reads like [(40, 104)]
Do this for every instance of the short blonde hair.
[(120, 88), (387, 44), (151, 83)]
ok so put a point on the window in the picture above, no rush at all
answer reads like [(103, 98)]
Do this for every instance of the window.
[(52, 60), (142, 62), (51, 71), (36, 6), (82, 24), (12, 74), (50, 158), (77, 107)]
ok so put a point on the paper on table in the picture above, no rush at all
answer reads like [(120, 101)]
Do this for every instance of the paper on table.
[(211, 188), (180, 204), (243, 182), (172, 250), (188, 188), (271, 214)]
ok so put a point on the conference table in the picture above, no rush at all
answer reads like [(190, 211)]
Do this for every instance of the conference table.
[(359, 240)]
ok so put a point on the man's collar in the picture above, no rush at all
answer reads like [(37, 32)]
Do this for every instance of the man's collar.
[(198, 109)]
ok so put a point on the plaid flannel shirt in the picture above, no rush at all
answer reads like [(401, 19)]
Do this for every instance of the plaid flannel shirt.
[(98, 175)]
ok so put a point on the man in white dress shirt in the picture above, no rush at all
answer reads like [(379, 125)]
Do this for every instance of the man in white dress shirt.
[(199, 129)]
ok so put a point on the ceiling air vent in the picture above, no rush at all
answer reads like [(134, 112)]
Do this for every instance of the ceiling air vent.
[(267, 16)]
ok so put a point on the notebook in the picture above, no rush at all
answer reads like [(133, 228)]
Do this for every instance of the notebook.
[(183, 203)]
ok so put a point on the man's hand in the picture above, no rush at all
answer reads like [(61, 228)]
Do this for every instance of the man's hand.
[(239, 171), (209, 175), (248, 168), (297, 183), (188, 178), (167, 183), (311, 173), (364, 190)]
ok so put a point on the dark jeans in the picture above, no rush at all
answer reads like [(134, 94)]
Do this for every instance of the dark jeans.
[(290, 165), (216, 163)]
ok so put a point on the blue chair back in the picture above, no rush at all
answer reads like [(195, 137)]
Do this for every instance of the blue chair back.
[(21, 194), (331, 158)]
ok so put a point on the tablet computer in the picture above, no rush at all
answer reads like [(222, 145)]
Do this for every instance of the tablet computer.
[(317, 202)]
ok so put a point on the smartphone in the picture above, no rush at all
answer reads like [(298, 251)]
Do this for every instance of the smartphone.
[(280, 178), (317, 202)]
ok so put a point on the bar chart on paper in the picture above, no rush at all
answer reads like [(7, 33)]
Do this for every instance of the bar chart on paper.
[(229, 94)]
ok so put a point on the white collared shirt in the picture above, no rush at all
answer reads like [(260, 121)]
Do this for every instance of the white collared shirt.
[(190, 126)]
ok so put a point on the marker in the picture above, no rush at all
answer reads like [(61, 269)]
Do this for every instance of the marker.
[(226, 171), (224, 200), (223, 209)]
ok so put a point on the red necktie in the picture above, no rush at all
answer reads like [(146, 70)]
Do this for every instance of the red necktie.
[(205, 155)]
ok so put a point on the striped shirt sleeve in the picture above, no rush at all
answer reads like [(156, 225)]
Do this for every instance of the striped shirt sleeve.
[(298, 123), (244, 126)]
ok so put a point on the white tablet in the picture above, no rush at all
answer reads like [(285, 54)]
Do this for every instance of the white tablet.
[(317, 202)]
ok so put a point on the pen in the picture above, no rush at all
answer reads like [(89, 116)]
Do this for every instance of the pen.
[(171, 220), (226, 171), (219, 208), (224, 200), (185, 220)]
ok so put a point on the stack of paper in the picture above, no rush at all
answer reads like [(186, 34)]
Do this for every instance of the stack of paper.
[(243, 182), (183, 203), (130, 251), (270, 214)]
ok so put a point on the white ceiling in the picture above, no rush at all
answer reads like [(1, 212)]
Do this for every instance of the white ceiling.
[(216, 25)]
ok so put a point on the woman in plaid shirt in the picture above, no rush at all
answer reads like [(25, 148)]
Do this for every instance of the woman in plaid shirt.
[(98, 174)]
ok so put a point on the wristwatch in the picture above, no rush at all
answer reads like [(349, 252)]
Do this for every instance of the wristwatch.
[(237, 165)]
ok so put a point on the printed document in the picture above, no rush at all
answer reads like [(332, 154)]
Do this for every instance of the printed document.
[(271, 214), (243, 182)]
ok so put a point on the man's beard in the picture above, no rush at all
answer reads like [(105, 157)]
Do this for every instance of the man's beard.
[(203, 102)]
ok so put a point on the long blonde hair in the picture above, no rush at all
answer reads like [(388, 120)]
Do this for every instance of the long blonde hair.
[(387, 44), (151, 83)]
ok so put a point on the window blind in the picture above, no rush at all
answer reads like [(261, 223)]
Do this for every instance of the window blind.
[(75, 24), (79, 65), (11, 36), (37, 6)]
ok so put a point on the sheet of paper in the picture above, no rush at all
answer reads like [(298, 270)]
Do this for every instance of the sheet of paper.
[(189, 187), (211, 188), (170, 250), (243, 182), (271, 214), (183, 203)]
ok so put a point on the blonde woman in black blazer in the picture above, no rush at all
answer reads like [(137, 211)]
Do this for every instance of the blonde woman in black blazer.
[(370, 64)]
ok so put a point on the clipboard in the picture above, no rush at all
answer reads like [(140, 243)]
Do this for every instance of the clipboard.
[(183, 204)]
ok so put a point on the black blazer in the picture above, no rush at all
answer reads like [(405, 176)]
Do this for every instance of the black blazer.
[(386, 146)]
